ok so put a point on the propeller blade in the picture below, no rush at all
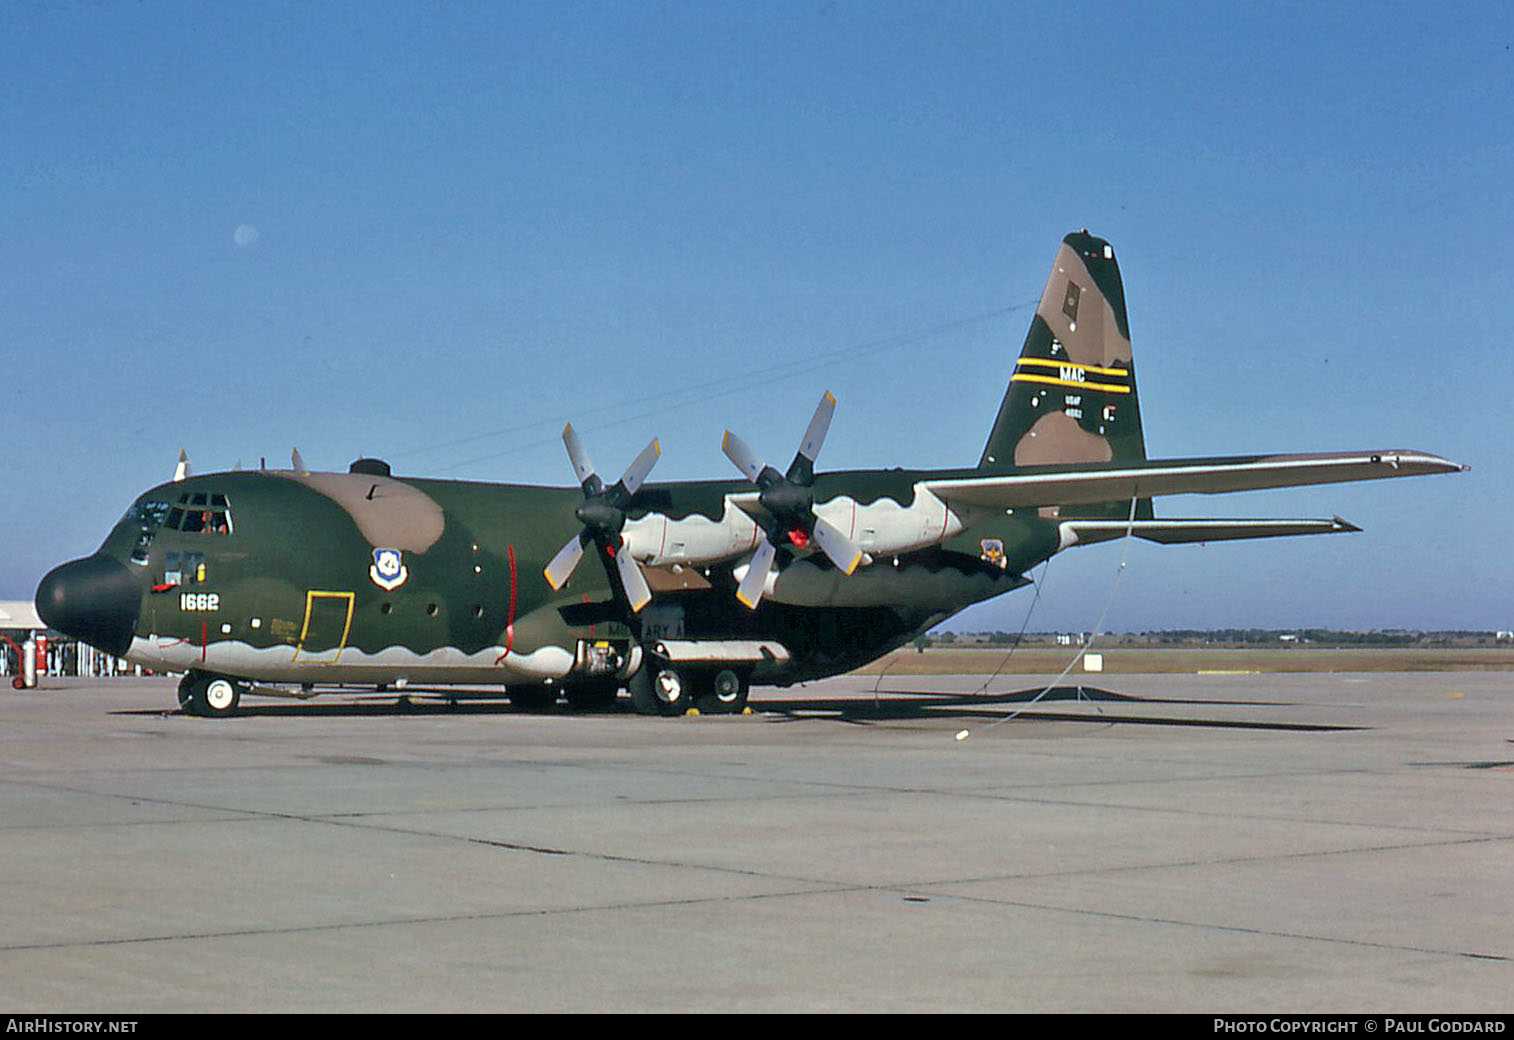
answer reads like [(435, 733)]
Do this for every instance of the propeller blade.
[(842, 552), (583, 466), (743, 456), (750, 589), (635, 583), (820, 425), (297, 462), (563, 564), (637, 471), (182, 469), (802, 470)]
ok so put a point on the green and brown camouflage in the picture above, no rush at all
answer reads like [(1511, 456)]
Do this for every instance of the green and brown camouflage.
[(700, 588), (1072, 395)]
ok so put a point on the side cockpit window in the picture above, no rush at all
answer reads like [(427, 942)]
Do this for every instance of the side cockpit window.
[(148, 517)]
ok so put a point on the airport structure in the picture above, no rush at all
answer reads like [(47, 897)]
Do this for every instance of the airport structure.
[(29, 649)]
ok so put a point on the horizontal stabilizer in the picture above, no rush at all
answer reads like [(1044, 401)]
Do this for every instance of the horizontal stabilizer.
[(1177, 532), (1083, 485)]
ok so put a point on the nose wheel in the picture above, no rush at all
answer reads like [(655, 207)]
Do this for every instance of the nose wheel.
[(211, 696)]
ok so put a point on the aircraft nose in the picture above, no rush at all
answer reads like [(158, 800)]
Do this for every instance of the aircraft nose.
[(96, 600)]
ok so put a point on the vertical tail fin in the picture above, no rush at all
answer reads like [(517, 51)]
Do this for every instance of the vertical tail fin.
[(1072, 396)]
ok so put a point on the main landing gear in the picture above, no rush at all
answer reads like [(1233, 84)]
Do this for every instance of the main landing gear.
[(663, 688), (201, 693)]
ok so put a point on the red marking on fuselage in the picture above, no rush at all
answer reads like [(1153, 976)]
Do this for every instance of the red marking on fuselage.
[(510, 616)]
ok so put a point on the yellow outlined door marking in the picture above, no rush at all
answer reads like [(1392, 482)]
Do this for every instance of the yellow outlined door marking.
[(324, 616)]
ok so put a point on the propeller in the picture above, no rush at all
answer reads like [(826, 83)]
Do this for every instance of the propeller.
[(603, 514), (789, 501)]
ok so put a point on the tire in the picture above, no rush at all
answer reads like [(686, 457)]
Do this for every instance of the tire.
[(724, 693), (660, 689), (186, 690), (209, 696)]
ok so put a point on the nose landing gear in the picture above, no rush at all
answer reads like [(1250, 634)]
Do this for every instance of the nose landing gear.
[(211, 696)]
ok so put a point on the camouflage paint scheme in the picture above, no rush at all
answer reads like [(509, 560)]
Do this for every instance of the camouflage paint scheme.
[(288, 576)]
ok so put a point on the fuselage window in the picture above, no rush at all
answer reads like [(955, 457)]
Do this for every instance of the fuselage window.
[(183, 568)]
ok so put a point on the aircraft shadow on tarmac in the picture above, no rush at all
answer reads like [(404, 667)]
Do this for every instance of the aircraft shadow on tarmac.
[(1025, 705), (886, 706)]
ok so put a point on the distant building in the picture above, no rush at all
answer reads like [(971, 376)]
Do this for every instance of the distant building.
[(56, 654), (19, 616)]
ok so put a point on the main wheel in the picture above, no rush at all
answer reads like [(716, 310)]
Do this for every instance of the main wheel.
[(723, 693), (660, 689)]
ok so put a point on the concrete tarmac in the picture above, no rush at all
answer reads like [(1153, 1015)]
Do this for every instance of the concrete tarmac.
[(1230, 843)]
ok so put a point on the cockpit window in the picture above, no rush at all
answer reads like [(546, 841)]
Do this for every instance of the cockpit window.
[(197, 512), (201, 512), (148, 516)]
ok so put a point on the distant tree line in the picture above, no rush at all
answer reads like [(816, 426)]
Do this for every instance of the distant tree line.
[(1234, 637)]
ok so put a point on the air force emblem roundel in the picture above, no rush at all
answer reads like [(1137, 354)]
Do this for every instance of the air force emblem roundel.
[(388, 570)]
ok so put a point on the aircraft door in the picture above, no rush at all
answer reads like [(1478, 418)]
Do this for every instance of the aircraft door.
[(328, 620)]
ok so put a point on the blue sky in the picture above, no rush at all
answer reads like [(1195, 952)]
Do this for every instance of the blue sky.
[(435, 235)]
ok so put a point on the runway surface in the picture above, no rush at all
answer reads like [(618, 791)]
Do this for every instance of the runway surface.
[(1232, 843)]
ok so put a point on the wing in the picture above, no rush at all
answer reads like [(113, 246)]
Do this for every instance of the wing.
[(1085, 485)]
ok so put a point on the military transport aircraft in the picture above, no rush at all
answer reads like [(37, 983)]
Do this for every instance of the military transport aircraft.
[(700, 589)]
